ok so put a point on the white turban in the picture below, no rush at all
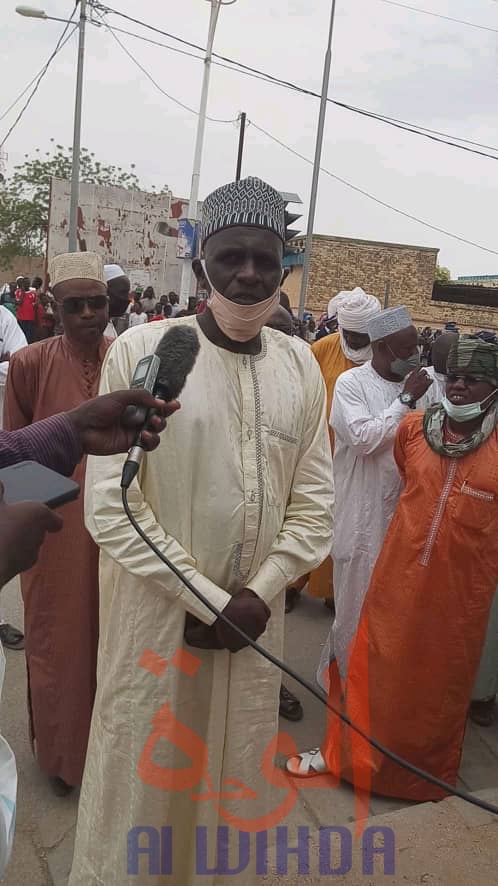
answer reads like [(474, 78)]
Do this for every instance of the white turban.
[(355, 309), (333, 305)]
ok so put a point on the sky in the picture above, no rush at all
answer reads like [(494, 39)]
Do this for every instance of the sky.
[(389, 60)]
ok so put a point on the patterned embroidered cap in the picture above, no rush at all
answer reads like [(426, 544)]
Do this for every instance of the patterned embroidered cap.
[(474, 357), (250, 202), (76, 266), (388, 322)]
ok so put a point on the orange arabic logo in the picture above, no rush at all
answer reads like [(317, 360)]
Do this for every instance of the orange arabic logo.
[(166, 726)]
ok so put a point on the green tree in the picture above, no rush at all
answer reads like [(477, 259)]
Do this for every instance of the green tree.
[(24, 196), (443, 275)]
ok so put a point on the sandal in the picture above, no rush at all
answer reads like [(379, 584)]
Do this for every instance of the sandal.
[(307, 764), (290, 707), (483, 712), (11, 637)]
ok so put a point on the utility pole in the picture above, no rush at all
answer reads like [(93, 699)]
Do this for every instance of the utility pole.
[(316, 164), (242, 131), (387, 293), (186, 283), (75, 171)]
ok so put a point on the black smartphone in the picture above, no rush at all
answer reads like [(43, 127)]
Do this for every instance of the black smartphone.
[(29, 481)]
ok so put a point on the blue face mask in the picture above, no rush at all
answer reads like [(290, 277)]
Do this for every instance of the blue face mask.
[(467, 411)]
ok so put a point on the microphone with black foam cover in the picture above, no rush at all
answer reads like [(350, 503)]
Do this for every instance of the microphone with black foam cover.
[(177, 352)]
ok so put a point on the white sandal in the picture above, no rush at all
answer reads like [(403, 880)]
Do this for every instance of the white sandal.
[(307, 764)]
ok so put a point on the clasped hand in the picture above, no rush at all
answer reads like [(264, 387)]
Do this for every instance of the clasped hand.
[(246, 610)]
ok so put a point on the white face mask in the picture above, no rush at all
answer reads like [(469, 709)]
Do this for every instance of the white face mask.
[(360, 356), (467, 411)]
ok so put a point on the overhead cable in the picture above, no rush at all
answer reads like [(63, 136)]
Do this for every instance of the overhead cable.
[(365, 193), (156, 84), (42, 69), (40, 76), (239, 67), (447, 18)]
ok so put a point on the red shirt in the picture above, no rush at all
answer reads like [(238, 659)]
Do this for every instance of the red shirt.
[(25, 305)]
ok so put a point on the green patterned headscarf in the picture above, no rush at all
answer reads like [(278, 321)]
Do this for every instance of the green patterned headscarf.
[(469, 356), (472, 356)]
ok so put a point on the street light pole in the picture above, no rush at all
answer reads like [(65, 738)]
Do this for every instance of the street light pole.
[(199, 142), (316, 164), (75, 171), (32, 12)]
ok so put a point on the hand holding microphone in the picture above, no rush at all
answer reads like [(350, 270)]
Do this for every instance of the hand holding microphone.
[(108, 424)]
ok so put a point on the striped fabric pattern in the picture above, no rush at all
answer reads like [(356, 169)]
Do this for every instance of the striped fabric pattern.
[(52, 442)]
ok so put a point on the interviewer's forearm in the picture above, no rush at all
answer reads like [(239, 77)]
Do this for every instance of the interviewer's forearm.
[(52, 442)]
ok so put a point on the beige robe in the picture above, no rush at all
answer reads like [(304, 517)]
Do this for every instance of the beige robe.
[(239, 493)]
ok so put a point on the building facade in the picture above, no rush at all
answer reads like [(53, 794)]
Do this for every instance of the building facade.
[(396, 273)]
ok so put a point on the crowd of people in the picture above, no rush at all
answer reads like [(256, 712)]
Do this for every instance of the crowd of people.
[(346, 457)]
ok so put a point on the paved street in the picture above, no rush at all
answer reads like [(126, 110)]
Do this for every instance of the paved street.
[(45, 825)]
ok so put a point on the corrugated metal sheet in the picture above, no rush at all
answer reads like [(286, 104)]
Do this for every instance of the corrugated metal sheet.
[(134, 229)]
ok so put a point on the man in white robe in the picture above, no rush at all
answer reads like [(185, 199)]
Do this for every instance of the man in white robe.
[(118, 290), (368, 405), (240, 497)]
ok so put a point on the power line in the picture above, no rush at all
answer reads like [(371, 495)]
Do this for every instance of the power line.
[(104, 24), (156, 84), (353, 187), (44, 70), (239, 67), (406, 127), (423, 129), (327, 172), (447, 18), (19, 97)]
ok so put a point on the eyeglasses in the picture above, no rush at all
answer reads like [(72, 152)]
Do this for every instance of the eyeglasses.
[(78, 304)]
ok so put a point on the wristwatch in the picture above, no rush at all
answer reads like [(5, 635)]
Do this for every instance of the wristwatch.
[(407, 399)]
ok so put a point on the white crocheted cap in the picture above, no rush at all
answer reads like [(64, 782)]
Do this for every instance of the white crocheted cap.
[(389, 322), (113, 271)]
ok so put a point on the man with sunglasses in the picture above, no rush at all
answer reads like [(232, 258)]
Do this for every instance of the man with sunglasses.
[(423, 624), (60, 592)]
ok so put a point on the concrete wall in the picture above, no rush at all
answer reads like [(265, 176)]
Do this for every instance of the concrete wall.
[(134, 229), (22, 264), (343, 263)]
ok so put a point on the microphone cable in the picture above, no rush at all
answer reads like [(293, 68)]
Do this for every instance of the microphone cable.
[(286, 669)]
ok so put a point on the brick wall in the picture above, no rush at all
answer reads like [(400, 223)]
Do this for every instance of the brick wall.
[(342, 263)]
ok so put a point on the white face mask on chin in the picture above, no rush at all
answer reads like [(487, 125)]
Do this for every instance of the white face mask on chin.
[(359, 356)]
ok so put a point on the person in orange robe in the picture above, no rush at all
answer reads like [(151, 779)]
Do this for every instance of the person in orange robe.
[(424, 620), (61, 593), (335, 354)]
